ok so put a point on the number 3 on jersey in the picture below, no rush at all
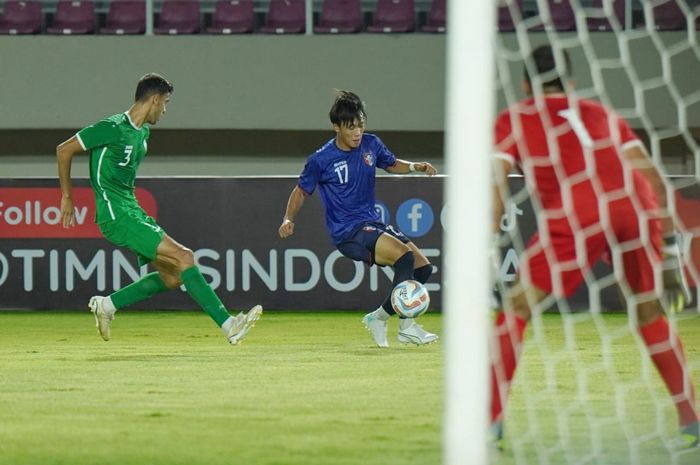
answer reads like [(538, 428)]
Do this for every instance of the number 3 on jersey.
[(127, 155), (342, 172)]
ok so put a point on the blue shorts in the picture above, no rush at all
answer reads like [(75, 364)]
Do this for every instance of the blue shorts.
[(359, 244)]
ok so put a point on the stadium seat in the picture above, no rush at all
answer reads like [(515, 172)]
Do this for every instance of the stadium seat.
[(506, 22), (393, 16), (340, 16), (73, 17), (21, 17), (179, 17), (561, 16), (125, 17), (233, 17), (437, 18), (599, 21), (285, 17), (668, 16)]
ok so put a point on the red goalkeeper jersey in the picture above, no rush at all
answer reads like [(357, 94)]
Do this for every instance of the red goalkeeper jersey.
[(571, 155)]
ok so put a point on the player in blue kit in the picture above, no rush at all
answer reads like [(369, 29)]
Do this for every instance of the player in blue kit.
[(344, 169)]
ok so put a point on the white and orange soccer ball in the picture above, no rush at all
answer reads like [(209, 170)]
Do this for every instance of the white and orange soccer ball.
[(410, 298)]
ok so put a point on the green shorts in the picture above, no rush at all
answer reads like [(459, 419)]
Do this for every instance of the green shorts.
[(135, 230)]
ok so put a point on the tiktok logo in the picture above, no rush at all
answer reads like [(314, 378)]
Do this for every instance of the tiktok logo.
[(414, 217), (509, 220)]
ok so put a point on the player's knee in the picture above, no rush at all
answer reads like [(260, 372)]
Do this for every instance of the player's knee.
[(171, 281), (185, 259), (521, 307), (422, 274), (648, 312)]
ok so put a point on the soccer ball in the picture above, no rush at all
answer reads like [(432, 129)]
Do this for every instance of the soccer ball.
[(410, 299)]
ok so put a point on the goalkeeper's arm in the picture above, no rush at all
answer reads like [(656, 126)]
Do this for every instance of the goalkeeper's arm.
[(501, 168), (676, 291), (641, 161)]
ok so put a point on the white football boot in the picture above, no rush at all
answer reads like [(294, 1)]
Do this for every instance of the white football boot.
[(378, 328), (103, 318), (411, 332), (242, 324)]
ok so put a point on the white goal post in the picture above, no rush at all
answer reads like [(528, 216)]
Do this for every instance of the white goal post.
[(468, 142)]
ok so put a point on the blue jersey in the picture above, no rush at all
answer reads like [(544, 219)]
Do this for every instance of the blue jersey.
[(346, 180)]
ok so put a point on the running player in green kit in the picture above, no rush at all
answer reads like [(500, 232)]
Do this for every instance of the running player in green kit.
[(117, 145)]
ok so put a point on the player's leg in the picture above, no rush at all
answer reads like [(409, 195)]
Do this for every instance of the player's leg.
[(509, 329), (384, 249), (369, 243), (176, 265), (140, 234), (664, 345), (394, 249), (534, 283), (422, 268)]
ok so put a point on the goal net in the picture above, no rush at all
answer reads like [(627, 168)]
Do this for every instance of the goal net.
[(586, 390)]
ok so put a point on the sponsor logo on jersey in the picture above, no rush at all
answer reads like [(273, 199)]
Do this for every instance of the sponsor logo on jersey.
[(368, 158), (369, 228)]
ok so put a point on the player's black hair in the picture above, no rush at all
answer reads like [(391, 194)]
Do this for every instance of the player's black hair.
[(544, 62), (347, 108), (150, 84)]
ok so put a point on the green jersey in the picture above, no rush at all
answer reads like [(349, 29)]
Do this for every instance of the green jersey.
[(117, 148)]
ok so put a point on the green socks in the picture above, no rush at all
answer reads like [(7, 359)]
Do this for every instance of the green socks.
[(194, 282), (144, 288), (203, 294)]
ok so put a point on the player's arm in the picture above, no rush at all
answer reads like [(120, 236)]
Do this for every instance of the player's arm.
[(405, 167), (676, 290), (501, 168), (638, 157), (64, 157), (294, 204)]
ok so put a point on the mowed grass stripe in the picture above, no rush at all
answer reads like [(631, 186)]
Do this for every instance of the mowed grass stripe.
[(310, 388)]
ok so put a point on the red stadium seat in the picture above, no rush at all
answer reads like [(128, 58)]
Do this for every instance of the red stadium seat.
[(21, 17), (393, 16), (601, 22), (561, 16), (285, 17), (340, 16), (437, 18), (668, 16), (179, 17), (73, 17), (125, 17), (507, 16), (233, 17)]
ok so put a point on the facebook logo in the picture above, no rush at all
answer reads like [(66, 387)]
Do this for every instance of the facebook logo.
[(382, 211), (414, 217)]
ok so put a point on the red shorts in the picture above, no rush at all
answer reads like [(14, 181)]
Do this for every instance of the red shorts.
[(558, 260)]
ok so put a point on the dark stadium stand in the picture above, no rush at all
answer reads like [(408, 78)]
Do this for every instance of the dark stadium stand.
[(437, 18), (285, 17), (233, 17), (73, 17), (179, 17), (21, 17), (340, 17), (125, 17), (219, 17), (393, 16)]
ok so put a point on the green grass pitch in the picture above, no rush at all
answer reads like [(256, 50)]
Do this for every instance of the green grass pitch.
[(305, 388)]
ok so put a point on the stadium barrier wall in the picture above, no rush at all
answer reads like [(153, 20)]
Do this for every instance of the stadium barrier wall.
[(231, 225), (261, 82)]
